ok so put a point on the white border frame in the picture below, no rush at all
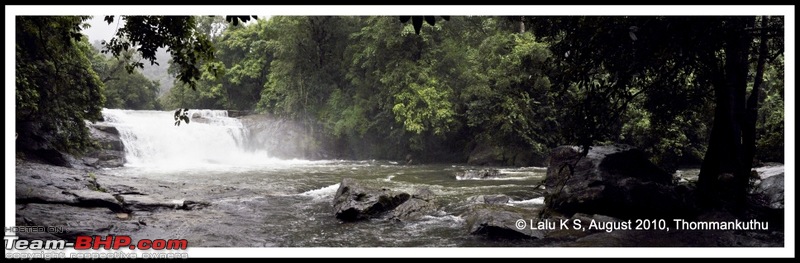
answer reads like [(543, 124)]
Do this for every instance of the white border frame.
[(789, 100)]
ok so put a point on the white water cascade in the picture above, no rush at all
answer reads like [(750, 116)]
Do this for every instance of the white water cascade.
[(152, 139)]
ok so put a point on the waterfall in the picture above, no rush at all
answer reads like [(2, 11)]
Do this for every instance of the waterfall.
[(211, 138)]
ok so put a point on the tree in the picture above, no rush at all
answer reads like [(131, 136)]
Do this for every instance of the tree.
[(56, 88), (206, 90), (769, 144), (511, 103), (244, 52), (673, 61), (123, 89), (397, 82), (146, 34), (307, 66)]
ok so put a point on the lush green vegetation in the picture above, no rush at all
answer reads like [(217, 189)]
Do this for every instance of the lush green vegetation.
[(688, 90), (56, 87), (124, 89), (376, 89), (61, 81)]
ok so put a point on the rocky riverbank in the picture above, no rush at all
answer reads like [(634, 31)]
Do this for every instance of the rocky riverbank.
[(89, 201), (613, 196), (210, 212)]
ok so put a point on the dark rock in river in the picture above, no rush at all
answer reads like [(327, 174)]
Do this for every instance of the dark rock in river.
[(477, 174), (500, 221), (149, 203), (421, 203), (197, 118), (493, 155), (354, 202), (614, 180), (489, 199), (772, 191), (111, 151)]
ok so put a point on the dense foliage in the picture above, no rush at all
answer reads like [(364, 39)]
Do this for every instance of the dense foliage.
[(56, 87), (124, 89), (679, 64), (373, 87)]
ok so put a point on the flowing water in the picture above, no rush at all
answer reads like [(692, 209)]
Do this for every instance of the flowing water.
[(265, 201)]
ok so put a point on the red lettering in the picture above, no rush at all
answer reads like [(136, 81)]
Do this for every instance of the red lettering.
[(144, 244), (177, 244), (106, 243), (159, 244), (83, 242), (121, 241)]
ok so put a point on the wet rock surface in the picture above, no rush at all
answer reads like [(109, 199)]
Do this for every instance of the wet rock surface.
[(771, 189), (421, 203), (92, 202), (612, 180), (478, 174), (209, 214), (110, 152), (501, 222), (489, 199), (354, 202)]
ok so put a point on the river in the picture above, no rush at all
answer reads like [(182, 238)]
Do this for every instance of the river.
[(265, 201)]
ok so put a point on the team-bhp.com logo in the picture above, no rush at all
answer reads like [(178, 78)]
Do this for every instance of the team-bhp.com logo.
[(37, 248)]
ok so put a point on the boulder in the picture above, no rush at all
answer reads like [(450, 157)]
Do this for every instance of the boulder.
[(154, 202), (421, 203), (413, 209), (107, 136), (111, 152), (197, 117), (33, 141), (612, 180), (500, 221), (35, 144), (107, 128), (354, 202), (477, 174), (772, 191), (53, 156), (489, 199), (424, 194)]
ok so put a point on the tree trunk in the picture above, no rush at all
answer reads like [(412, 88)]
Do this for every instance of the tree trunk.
[(751, 115), (725, 171)]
